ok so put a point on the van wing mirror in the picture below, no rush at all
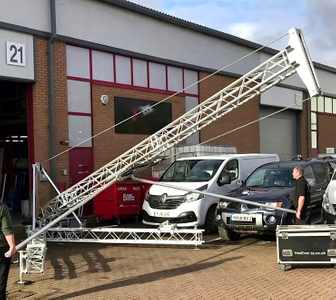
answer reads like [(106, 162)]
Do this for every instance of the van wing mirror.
[(224, 179)]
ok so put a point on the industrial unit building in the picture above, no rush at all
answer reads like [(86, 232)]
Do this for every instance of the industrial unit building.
[(70, 69)]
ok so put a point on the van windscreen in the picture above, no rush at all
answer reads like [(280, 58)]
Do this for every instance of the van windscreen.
[(191, 170)]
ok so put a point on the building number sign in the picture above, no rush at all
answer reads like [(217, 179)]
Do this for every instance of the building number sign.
[(16, 54)]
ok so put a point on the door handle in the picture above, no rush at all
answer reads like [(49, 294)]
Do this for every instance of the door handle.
[(318, 190)]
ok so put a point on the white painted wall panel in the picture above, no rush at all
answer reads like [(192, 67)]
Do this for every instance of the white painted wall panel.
[(281, 97), (190, 78), (32, 14)]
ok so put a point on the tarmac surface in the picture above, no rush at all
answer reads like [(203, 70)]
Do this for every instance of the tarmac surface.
[(246, 269)]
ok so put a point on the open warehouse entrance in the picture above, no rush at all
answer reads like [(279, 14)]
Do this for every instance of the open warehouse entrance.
[(14, 144)]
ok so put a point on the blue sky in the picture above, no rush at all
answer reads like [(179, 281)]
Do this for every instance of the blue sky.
[(262, 21)]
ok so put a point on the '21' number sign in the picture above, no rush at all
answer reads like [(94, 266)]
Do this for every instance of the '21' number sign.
[(16, 54)]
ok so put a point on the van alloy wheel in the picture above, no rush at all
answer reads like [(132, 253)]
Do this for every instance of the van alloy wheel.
[(210, 221)]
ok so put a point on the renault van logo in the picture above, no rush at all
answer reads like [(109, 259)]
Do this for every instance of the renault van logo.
[(164, 198)]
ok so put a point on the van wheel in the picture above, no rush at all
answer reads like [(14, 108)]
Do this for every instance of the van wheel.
[(228, 234), (210, 221)]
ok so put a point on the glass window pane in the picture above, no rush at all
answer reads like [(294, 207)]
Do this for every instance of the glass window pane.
[(123, 69), (175, 82), (191, 77), (157, 76), (102, 66), (334, 106), (313, 118), (140, 73), (320, 105), (79, 96), (313, 104), (79, 130), (328, 105), (78, 62), (314, 139)]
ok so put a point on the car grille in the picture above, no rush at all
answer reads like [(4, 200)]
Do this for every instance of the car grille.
[(237, 205), (171, 202)]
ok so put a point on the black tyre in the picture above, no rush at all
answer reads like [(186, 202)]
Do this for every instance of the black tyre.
[(228, 234), (210, 225)]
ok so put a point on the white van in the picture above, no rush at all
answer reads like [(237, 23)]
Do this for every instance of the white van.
[(214, 174)]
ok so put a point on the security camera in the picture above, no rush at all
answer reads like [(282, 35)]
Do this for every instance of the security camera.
[(104, 99)]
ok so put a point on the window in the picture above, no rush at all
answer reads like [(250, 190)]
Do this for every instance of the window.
[(79, 130), (102, 66), (191, 77), (157, 76), (123, 69), (334, 106), (321, 173), (175, 82), (313, 104), (78, 62), (320, 106), (140, 73), (314, 140), (79, 96), (231, 168), (309, 175), (150, 119), (328, 105), (313, 121)]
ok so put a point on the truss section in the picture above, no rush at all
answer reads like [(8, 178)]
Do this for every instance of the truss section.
[(169, 235)]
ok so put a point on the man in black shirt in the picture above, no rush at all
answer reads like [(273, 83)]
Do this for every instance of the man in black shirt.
[(301, 197)]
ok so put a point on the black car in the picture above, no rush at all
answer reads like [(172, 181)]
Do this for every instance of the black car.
[(270, 184)]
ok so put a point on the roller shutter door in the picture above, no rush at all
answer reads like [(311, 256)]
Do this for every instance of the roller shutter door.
[(278, 133)]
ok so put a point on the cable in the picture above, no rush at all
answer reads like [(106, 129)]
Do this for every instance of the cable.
[(167, 98)]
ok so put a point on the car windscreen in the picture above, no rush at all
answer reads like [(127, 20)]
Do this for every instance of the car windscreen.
[(191, 170), (267, 177)]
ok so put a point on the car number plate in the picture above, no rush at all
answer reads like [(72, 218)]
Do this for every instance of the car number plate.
[(241, 217), (162, 214)]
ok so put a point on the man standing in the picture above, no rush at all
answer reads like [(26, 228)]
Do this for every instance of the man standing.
[(301, 197), (7, 248)]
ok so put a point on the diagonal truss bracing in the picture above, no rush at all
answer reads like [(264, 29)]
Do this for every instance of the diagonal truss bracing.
[(266, 75)]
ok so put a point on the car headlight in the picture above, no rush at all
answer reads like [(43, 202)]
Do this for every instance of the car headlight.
[(273, 204), (191, 196), (329, 208), (223, 204)]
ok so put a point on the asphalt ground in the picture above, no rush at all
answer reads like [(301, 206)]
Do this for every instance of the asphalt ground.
[(246, 269)]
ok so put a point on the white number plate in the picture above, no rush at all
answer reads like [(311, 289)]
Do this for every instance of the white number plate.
[(162, 214), (241, 217)]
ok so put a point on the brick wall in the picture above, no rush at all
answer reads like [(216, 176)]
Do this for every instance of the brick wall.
[(246, 140), (326, 132), (41, 112), (110, 145)]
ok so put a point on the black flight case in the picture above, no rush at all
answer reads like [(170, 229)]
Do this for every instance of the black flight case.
[(306, 244)]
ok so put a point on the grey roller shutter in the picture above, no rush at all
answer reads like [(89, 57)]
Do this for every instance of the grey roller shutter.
[(278, 133)]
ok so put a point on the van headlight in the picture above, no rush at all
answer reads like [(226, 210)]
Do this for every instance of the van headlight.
[(329, 208), (191, 196)]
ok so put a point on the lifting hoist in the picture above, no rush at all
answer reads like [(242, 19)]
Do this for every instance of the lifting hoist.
[(293, 59)]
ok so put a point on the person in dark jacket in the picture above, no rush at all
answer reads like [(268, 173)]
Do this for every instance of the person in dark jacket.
[(301, 197), (7, 248)]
